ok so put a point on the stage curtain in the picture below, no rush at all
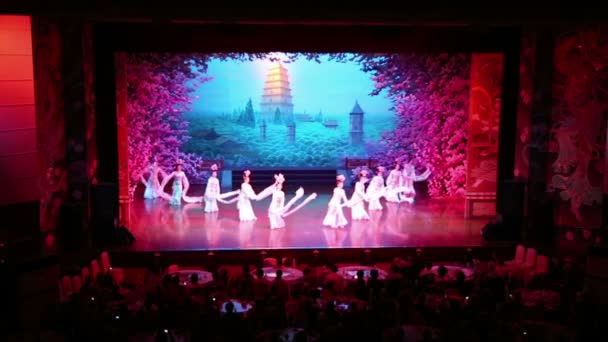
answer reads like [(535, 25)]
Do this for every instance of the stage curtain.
[(482, 146), (524, 107), (576, 168), (47, 45), (124, 194)]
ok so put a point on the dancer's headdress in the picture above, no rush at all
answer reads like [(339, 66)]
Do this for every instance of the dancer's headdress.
[(279, 178), (246, 173), (363, 173), (214, 167), (340, 178), (381, 168), (180, 162)]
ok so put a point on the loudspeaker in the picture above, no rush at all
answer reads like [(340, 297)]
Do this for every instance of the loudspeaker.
[(104, 212), (9, 320), (123, 236), (500, 232), (510, 201), (510, 205), (105, 201), (71, 225)]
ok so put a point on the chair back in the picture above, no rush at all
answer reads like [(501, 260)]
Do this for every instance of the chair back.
[(118, 275), (173, 269), (542, 264), (84, 273), (94, 269), (530, 257), (270, 262), (104, 258), (76, 284), (520, 254), (66, 286)]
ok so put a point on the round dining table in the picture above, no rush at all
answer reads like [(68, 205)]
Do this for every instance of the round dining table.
[(185, 275), (452, 271), (350, 272), (289, 273), (239, 306)]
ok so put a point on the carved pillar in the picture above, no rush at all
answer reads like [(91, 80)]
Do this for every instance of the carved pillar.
[(47, 49), (75, 112), (605, 195), (89, 98), (75, 128), (524, 107), (124, 194), (484, 117), (539, 223)]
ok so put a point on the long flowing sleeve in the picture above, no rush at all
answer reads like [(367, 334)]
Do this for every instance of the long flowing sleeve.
[(222, 197), (424, 176), (162, 172), (298, 195), (161, 190), (390, 178), (208, 194), (357, 197), (360, 190), (186, 198), (248, 192), (308, 199), (262, 195), (343, 198)]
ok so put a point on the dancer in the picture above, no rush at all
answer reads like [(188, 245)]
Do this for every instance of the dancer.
[(278, 209), (409, 178), (335, 216), (277, 204), (393, 182), (376, 189), (247, 195), (152, 184), (358, 199), (179, 188), (213, 192)]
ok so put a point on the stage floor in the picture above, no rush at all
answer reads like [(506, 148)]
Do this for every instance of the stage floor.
[(427, 223)]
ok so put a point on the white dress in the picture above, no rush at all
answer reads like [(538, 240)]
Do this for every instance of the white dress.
[(357, 201), (393, 183), (179, 189), (152, 184), (211, 194), (276, 210), (335, 216), (244, 203), (375, 191)]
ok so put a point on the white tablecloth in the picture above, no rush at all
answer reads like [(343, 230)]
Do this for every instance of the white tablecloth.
[(289, 274), (184, 276), (350, 272), (452, 271), (239, 307)]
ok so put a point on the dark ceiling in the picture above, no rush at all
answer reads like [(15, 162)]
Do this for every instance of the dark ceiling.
[(425, 12)]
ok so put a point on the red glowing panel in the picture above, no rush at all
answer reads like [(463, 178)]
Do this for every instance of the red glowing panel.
[(16, 67), (17, 142), (16, 92), (17, 117), (15, 35)]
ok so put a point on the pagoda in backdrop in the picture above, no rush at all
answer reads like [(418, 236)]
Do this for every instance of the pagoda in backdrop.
[(277, 95)]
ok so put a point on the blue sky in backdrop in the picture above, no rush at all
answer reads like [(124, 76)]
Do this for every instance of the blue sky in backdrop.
[(329, 86)]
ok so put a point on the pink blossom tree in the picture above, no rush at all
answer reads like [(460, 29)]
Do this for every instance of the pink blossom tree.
[(160, 89), (430, 93), (431, 97)]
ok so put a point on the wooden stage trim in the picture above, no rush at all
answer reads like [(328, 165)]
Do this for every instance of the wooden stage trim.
[(124, 257)]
